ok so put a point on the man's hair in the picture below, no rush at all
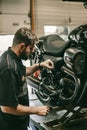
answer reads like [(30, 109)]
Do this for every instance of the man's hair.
[(24, 35)]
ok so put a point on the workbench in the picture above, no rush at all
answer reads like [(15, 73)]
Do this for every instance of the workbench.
[(51, 121)]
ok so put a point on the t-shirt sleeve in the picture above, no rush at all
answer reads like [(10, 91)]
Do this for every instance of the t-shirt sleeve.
[(8, 92)]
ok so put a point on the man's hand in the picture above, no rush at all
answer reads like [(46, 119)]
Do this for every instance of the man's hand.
[(42, 110), (48, 64)]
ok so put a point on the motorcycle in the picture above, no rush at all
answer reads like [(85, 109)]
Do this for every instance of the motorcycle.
[(66, 84)]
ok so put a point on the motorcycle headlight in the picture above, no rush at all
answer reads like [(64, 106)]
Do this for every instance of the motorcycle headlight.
[(75, 60)]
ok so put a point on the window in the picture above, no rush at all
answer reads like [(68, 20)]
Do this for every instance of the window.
[(62, 31)]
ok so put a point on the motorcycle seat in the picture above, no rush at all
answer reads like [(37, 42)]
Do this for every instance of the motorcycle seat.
[(53, 45)]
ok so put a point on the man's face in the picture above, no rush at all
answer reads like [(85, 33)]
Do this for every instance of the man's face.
[(27, 52)]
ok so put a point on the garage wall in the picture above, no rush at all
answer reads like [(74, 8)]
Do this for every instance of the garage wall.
[(59, 13), (13, 15)]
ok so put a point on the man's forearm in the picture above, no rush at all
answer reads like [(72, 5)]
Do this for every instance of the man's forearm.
[(25, 110), (48, 64), (30, 70), (19, 110)]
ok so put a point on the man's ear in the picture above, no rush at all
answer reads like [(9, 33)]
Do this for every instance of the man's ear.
[(22, 46)]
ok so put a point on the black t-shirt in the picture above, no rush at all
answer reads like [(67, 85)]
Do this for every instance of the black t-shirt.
[(13, 90)]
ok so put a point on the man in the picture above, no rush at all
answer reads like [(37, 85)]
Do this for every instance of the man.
[(14, 102)]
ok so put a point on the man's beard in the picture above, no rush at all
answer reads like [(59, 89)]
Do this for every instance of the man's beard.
[(23, 56)]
